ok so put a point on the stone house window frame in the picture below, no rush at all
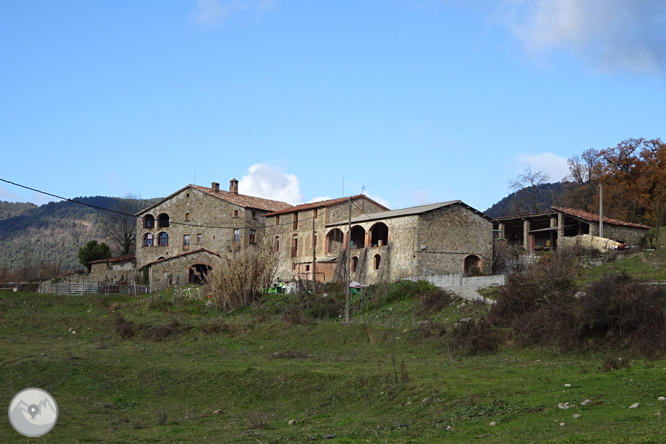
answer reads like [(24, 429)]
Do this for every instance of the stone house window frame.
[(148, 240), (253, 236), (163, 239)]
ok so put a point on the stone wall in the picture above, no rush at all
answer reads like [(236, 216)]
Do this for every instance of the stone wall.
[(204, 211), (175, 271), (114, 272), (626, 235), (281, 226), (451, 234)]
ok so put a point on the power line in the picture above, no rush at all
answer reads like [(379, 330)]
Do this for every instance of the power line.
[(139, 217)]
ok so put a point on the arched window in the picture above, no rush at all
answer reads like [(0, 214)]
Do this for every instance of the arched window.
[(358, 237), (163, 239), (378, 259), (354, 264), (379, 235), (148, 221), (148, 240), (334, 241), (163, 220)]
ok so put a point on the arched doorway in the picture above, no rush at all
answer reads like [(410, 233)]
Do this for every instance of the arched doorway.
[(379, 235), (473, 266), (357, 237), (334, 241), (198, 273)]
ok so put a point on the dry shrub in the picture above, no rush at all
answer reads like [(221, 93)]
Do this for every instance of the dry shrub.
[(257, 421), (473, 336), (294, 316), (434, 301), (237, 282), (324, 307), (124, 328), (618, 306), (215, 327), (113, 307), (539, 303), (614, 364), (161, 332), (431, 329)]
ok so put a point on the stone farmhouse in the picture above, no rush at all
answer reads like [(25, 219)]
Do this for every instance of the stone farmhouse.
[(430, 242), (298, 232), (542, 231), (182, 236)]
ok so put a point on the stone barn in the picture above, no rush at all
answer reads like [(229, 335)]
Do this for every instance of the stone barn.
[(426, 241)]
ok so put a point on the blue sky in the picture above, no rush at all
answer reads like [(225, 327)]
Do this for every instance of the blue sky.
[(418, 101)]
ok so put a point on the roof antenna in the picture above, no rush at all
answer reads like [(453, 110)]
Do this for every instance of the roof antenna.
[(364, 187)]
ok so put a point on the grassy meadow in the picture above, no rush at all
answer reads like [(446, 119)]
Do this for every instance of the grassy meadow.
[(192, 374)]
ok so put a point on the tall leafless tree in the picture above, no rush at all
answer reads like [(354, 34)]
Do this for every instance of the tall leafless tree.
[(529, 182), (119, 225)]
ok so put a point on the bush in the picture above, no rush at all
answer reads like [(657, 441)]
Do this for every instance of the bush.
[(319, 307), (377, 295), (161, 332), (618, 306), (238, 282), (431, 329), (473, 337), (124, 328), (434, 301), (614, 364)]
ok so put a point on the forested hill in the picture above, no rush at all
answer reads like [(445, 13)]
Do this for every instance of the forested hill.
[(50, 233), (524, 201)]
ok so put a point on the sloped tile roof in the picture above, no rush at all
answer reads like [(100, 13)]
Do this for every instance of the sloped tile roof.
[(408, 212), (595, 218), (322, 204), (200, 250), (127, 257), (242, 200)]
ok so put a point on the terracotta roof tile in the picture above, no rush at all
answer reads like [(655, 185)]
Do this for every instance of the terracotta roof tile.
[(127, 257), (200, 250), (322, 204), (245, 200), (595, 218)]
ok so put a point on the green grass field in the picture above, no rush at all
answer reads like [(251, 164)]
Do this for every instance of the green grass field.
[(377, 379)]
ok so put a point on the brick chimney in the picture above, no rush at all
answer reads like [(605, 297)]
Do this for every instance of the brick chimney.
[(215, 186), (233, 186)]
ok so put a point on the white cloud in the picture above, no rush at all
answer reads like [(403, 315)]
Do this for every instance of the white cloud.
[(263, 180), (555, 166), (628, 35), (211, 12)]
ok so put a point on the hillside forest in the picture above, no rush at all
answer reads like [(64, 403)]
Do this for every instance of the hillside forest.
[(46, 239)]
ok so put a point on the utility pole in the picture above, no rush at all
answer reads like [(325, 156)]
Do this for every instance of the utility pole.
[(314, 254), (348, 264), (601, 211)]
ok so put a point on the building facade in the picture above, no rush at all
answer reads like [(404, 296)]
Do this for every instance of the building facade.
[(294, 232), (426, 241), (197, 218)]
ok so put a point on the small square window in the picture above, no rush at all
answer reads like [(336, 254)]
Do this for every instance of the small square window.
[(307, 268), (277, 220), (235, 213), (199, 238), (237, 235), (187, 216), (254, 215), (186, 240), (253, 236)]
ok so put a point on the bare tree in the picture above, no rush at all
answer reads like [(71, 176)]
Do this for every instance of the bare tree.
[(119, 225), (528, 183)]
